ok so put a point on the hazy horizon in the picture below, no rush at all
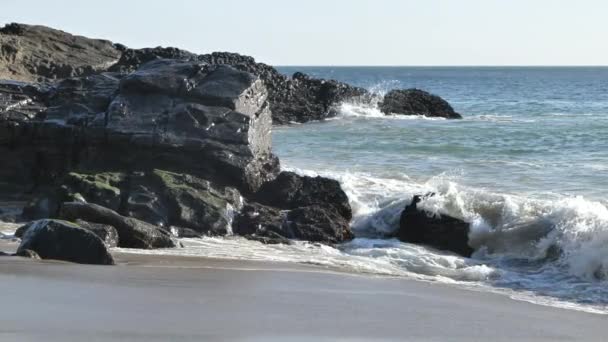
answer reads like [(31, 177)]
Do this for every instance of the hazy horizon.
[(471, 33)]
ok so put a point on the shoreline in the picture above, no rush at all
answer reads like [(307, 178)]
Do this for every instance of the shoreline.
[(186, 298)]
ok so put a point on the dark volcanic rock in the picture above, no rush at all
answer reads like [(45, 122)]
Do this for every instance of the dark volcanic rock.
[(297, 99), (317, 224), (105, 232), (37, 53), (132, 59), (290, 190), (168, 115), (100, 188), (20, 101), (417, 102), (132, 233), (442, 232), (61, 240), (259, 219), (197, 204), (311, 223)]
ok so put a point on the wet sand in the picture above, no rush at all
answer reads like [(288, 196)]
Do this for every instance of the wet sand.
[(151, 298)]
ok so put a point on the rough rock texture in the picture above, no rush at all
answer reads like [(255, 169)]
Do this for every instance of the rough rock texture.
[(62, 240), (197, 204), (442, 232), (132, 233), (417, 102), (105, 232), (209, 121), (37, 53), (297, 207), (296, 99), (20, 101), (290, 190)]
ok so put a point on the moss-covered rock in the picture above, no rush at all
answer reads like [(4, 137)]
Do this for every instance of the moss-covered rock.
[(197, 204), (100, 188)]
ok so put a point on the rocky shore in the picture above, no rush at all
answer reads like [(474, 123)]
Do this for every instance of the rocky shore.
[(113, 146)]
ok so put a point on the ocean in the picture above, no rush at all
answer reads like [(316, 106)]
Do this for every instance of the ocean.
[(527, 166)]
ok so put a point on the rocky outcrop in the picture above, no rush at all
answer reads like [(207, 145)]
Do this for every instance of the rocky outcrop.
[(439, 231), (290, 191), (37, 53), (297, 207), (61, 240), (197, 204), (167, 115), (132, 233), (417, 102)]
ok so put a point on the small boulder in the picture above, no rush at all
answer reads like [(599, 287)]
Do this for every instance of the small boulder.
[(62, 240), (417, 102), (442, 232), (132, 233)]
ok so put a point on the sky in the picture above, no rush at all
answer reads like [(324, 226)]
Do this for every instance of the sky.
[(343, 32)]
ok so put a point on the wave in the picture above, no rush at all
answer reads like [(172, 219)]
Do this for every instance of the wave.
[(556, 246)]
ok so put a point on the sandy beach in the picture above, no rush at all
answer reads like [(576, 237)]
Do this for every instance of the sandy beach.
[(149, 298)]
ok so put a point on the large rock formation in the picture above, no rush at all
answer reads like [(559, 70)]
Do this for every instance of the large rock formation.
[(417, 102), (61, 240), (439, 231), (37, 53)]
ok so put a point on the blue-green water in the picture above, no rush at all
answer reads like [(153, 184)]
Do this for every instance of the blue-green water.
[(528, 166)]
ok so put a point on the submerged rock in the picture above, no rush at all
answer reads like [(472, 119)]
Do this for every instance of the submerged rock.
[(132, 233), (417, 102), (62, 240), (439, 231)]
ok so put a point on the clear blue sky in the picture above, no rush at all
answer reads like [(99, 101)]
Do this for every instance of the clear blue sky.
[(343, 32)]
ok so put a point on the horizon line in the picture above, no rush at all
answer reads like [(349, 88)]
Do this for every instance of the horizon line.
[(445, 65)]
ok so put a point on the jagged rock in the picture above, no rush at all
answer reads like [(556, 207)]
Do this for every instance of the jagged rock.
[(106, 233), (132, 59), (439, 231), (310, 223), (318, 224), (37, 53), (144, 200), (100, 188), (132, 233), (79, 100), (167, 115), (417, 102), (62, 240), (20, 101), (28, 253), (297, 99), (197, 204), (290, 190), (257, 219)]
